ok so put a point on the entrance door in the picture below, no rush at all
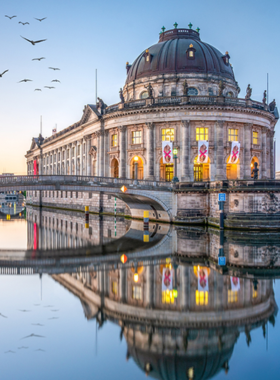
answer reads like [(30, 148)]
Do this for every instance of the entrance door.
[(197, 172), (169, 172)]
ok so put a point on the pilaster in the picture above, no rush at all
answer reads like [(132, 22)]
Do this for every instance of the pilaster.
[(150, 151), (185, 151), (219, 151)]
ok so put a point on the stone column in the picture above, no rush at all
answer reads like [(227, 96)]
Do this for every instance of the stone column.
[(76, 157), (247, 150), (185, 151), (101, 153), (82, 157), (122, 168), (88, 158), (150, 151), (264, 150), (219, 151)]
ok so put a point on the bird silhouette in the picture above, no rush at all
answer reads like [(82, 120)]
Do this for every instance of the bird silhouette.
[(3, 73), (54, 68), (24, 311), (53, 318), (56, 80), (1, 315), (39, 349), (37, 89), (49, 306), (25, 80), (40, 19), (33, 42), (36, 324), (22, 348), (33, 336), (10, 17), (38, 59), (7, 352), (49, 89), (55, 310), (23, 23)]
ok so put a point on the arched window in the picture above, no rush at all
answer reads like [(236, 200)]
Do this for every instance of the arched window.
[(144, 95), (192, 91), (229, 94)]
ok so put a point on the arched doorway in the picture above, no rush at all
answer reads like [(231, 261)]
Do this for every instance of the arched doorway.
[(140, 169), (166, 171), (254, 159), (201, 172), (233, 169), (115, 168)]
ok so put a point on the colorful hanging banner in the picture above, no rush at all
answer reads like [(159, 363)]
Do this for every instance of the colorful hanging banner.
[(202, 152), (167, 153), (35, 167), (235, 284), (234, 154), (202, 277), (166, 279)]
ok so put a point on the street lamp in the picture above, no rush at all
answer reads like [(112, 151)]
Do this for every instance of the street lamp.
[(136, 158), (175, 152)]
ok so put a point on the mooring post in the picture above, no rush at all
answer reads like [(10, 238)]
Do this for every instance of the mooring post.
[(146, 236), (86, 216)]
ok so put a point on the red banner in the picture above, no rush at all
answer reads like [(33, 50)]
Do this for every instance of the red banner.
[(35, 167)]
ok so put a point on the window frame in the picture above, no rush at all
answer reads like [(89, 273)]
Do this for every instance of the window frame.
[(198, 135), (135, 137), (114, 140), (233, 136), (137, 295), (164, 135), (255, 138)]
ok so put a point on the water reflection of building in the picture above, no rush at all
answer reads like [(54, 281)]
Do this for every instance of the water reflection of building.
[(179, 333)]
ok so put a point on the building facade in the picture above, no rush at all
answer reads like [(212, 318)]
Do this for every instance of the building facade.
[(180, 90)]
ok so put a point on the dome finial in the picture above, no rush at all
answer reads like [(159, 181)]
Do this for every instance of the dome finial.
[(175, 25), (163, 29), (197, 29), (190, 25)]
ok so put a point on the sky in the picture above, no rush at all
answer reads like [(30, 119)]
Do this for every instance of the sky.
[(86, 35)]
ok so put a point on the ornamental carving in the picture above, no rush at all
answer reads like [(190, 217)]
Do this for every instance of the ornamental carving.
[(270, 203), (236, 202), (93, 152)]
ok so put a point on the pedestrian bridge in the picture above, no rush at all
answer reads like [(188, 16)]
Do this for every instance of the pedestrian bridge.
[(154, 196)]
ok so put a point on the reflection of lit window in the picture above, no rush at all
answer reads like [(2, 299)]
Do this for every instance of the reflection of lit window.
[(137, 292), (201, 298), (255, 138), (255, 293), (167, 296), (137, 137), (167, 134), (114, 140), (232, 134), (232, 296), (115, 288), (201, 134)]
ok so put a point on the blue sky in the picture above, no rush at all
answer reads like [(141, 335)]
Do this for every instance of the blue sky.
[(85, 35)]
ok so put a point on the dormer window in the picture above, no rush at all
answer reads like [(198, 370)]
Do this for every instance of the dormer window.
[(226, 58), (191, 52), (148, 56)]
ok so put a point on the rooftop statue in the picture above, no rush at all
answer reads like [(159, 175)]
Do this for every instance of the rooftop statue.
[(248, 93), (150, 90), (272, 105), (185, 88), (264, 98), (221, 87), (121, 95)]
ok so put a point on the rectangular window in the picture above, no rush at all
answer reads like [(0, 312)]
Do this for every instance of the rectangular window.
[(137, 293), (232, 134), (115, 288), (201, 134), (68, 153), (167, 134), (255, 138), (58, 156), (63, 155), (137, 137), (73, 152), (201, 298), (167, 296), (115, 140), (79, 149), (232, 296)]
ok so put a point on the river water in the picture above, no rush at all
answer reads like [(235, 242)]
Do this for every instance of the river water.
[(69, 307)]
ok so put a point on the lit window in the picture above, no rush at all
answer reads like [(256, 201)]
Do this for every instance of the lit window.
[(167, 134), (201, 298), (137, 137), (255, 293), (137, 293), (115, 288), (167, 296), (191, 54), (255, 138), (114, 140), (232, 134), (232, 296), (201, 134)]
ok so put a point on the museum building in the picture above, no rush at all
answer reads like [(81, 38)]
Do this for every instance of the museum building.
[(180, 91)]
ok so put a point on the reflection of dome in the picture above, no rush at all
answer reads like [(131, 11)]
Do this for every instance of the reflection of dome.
[(170, 55)]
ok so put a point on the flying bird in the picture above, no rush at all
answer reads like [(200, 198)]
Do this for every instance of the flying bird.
[(33, 336), (56, 80), (3, 73), (49, 306), (25, 311), (49, 89), (3, 316), (25, 80), (23, 23), (33, 42), (10, 17), (22, 348), (37, 89), (53, 318), (40, 19), (54, 68), (7, 352), (39, 349), (38, 59), (36, 324)]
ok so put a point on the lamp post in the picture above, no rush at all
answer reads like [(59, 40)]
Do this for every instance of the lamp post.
[(175, 152), (136, 169)]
